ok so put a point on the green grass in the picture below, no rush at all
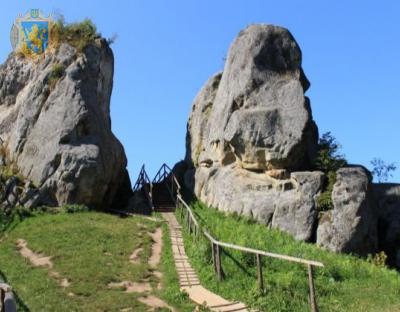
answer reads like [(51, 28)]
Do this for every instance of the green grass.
[(57, 71), (78, 35), (346, 283), (91, 249)]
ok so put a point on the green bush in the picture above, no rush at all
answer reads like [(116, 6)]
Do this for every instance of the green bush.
[(328, 160), (378, 259), (324, 200), (78, 35), (74, 208)]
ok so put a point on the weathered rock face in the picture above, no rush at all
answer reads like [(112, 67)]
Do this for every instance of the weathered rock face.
[(55, 125), (255, 112), (387, 199), (287, 204), (14, 192), (250, 125), (352, 225)]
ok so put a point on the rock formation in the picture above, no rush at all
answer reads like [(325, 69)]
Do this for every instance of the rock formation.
[(255, 113), (352, 224), (250, 145), (55, 125), (387, 203), (250, 126)]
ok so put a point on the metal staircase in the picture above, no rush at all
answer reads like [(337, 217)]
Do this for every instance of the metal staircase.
[(161, 192)]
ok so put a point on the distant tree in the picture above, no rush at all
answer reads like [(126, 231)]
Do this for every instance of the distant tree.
[(381, 170), (329, 158)]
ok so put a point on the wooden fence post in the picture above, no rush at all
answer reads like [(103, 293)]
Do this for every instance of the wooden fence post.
[(194, 232), (220, 273), (213, 257), (197, 234), (260, 277), (313, 301)]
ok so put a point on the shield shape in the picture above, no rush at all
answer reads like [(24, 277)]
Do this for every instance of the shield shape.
[(35, 35), (31, 32)]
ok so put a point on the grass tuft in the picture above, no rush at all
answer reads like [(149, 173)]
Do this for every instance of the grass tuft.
[(79, 35)]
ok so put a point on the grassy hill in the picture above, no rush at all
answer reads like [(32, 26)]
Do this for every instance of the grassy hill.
[(346, 283), (90, 250)]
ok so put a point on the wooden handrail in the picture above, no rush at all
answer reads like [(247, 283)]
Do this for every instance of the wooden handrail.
[(246, 249), (192, 216), (216, 254)]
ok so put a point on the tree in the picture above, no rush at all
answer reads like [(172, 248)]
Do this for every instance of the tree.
[(329, 158), (381, 170)]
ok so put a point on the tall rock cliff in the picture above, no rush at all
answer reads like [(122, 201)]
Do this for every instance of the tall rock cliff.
[(55, 125)]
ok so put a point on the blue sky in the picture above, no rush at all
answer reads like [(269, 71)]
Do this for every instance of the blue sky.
[(166, 50)]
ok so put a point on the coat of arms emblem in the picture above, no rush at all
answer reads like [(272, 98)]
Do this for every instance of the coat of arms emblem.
[(31, 32)]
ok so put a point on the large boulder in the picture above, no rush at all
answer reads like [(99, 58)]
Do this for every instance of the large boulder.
[(351, 226), (250, 129), (56, 128), (255, 112)]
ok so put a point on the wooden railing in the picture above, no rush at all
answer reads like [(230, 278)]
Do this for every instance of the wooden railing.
[(7, 301), (194, 228), (143, 183)]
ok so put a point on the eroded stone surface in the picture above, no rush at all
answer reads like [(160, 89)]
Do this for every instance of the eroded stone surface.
[(352, 226), (255, 112), (58, 131), (250, 127)]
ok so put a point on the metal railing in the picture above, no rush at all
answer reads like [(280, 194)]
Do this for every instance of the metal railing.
[(166, 175), (216, 248), (7, 301), (144, 184)]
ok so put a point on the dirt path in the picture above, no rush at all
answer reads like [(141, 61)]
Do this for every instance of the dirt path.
[(155, 303), (144, 287), (132, 287), (135, 256), (35, 258), (38, 260), (188, 279), (156, 248)]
